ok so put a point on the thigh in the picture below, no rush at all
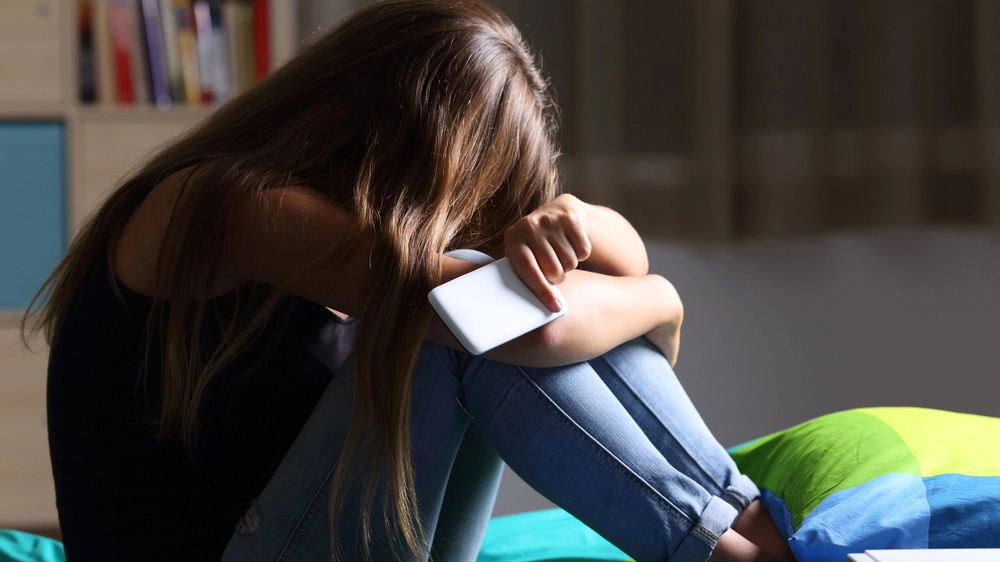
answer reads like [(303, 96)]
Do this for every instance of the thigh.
[(290, 519)]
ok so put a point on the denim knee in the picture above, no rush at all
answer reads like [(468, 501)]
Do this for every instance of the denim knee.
[(471, 256)]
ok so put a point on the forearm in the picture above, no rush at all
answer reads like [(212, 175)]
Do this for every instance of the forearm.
[(617, 248), (604, 312)]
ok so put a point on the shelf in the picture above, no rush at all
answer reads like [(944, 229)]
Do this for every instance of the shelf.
[(144, 112), (37, 111)]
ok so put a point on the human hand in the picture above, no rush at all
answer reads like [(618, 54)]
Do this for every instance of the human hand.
[(548, 243)]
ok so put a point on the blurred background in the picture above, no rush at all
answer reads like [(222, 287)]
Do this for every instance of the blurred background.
[(819, 179)]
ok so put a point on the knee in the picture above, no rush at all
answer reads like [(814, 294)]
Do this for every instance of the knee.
[(472, 256)]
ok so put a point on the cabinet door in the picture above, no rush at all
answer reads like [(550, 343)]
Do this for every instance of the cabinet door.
[(110, 145), (30, 39), (32, 216)]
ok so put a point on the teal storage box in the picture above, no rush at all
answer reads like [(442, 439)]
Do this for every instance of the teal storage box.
[(32, 207)]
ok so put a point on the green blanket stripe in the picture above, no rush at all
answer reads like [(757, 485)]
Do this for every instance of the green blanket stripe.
[(942, 441), (808, 444)]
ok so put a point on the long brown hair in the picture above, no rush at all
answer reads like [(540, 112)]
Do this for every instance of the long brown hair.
[(430, 122)]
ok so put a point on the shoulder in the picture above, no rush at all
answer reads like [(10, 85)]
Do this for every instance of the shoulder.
[(136, 254), (286, 206), (259, 224)]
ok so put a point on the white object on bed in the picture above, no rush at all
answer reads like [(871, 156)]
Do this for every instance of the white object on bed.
[(931, 555)]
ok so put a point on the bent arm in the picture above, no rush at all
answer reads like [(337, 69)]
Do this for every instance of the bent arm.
[(604, 312), (274, 241), (617, 248), (565, 234)]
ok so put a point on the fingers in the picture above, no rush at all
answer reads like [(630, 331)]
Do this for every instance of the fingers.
[(547, 244), (555, 258), (574, 232), (522, 259)]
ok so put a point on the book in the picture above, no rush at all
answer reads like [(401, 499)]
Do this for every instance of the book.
[(155, 53), (188, 50), (229, 9), (237, 17), (261, 43), (86, 60), (171, 50), (211, 50), (118, 24), (244, 26), (104, 63), (138, 56), (223, 79), (204, 40)]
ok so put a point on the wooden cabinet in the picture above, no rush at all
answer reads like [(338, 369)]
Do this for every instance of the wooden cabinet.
[(110, 143), (31, 47)]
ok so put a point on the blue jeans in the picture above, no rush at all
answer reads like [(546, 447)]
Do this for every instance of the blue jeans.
[(614, 441)]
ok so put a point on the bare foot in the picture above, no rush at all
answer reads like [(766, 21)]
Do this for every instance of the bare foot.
[(756, 525), (733, 547)]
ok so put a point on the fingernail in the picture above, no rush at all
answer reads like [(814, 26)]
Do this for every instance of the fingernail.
[(556, 305)]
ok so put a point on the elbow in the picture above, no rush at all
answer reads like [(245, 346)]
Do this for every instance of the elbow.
[(641, 259), (550, 346), (546, 338), (642, 264)]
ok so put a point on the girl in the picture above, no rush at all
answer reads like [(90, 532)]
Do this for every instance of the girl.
[(241, 336)]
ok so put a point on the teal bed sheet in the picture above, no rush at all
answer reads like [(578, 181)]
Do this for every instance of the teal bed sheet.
[(550, 535), (16, 546)]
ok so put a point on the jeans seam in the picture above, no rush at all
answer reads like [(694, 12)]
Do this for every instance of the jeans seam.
[(298, 524), (652, 412), (596, 446)]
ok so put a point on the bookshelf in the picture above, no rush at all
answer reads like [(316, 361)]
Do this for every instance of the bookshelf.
[(69, 155)]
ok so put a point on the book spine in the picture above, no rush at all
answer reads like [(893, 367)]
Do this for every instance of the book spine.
[(207, 70), (171, 48), (261, 43), (104, 64), (244, 29), (87, 80), (188, 49), (119, 45), (230, 19), (219, 39), (157, 58), (137, 52)]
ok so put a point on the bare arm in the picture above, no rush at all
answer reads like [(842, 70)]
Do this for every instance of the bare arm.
[(566, 232), (604, 311), (270, 244), (617, 248), (545, 248)]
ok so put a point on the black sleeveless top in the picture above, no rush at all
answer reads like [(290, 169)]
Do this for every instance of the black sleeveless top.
[(122, 494)]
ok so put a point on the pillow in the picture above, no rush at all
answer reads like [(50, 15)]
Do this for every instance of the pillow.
[(880, 478)]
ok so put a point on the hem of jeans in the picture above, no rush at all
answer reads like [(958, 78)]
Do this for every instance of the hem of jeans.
[(715, 520), (741, 492)]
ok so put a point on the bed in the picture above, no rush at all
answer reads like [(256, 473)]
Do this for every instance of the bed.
[(875, 484)]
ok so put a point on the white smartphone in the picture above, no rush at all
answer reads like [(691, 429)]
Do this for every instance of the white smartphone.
[(489, 307)]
